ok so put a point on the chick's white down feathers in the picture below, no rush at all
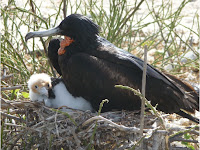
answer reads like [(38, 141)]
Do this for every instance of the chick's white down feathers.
[(39, 84)]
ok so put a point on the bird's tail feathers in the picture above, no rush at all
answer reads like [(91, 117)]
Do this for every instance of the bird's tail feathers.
[(191, 97), (188, 116)]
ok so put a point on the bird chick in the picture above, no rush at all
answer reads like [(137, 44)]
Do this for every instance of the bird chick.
[(38, 85), (54, 94)]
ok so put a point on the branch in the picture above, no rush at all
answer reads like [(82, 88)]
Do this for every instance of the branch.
[(143, 91), (181, 132), (148, 104), (13, 117), (11, 88), (120, 127), (184, 140), (124, 23), (6, 77), (5, 105), (64, 8)]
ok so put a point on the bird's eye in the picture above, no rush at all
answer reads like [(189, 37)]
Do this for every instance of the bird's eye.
[(48, 85), (36, 86)]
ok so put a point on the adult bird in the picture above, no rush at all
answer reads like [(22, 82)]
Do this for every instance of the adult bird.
[(91, 66)]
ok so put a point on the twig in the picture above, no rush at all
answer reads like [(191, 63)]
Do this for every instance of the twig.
[(162, 35), (177, 129), (16, 125), (16, 139), (14, 68), (120, 127), (78, 142), (125, 22), (17, 111), (25, 127), (64, 8), (101, 105), (12, 117), (138, 142), (194, 132), (4, 68), (6, 77), (5, 105), (90, 145), (27, 104), (143, 91), (65, 113), (43, 44), (184, 140), (54, 74), (171, 137), (57, 131), (32, 6), (11, 88), (148, 104)]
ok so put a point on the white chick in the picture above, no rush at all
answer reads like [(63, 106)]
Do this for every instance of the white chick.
[(54, 94), (38, 85)]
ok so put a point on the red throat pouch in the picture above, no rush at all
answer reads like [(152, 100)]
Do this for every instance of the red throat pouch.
[(64, 43)]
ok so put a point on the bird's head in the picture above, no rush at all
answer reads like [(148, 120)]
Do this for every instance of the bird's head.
[(38, 85), (80, 30)]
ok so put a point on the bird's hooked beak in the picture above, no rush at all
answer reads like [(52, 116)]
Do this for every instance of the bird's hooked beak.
[(50, 32), (43, 91)]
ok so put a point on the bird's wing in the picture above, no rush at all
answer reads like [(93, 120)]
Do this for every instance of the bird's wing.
[(98, 73), (110, 52), (94, 80), (53, 47)]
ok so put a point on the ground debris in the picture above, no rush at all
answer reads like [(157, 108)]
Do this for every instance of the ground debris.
[(31, 125)]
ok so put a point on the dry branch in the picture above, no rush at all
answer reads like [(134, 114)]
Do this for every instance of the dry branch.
[(120, 127), (143, 91), (12, 117), (6, 77), (11, 88)]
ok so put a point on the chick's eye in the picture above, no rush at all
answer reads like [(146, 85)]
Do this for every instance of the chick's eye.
[(36, 86), (48, 85)]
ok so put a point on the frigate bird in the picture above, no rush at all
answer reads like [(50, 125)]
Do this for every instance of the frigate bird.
[(53, 93), (91, 66)]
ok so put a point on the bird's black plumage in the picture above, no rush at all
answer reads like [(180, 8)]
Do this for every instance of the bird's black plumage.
[(92, 66), (53, 47), (54, 82)]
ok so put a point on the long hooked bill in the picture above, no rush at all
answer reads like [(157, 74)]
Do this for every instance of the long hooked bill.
[(50, 32)]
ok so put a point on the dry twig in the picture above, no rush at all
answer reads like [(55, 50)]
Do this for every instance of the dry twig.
[(11, 88), (143, 91), (120, 127)]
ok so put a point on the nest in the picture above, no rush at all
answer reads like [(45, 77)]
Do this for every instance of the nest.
[(31, 125)]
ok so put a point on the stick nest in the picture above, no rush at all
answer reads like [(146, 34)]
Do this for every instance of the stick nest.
[(31, 125)]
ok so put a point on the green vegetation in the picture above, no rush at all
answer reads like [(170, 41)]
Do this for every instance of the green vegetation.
[(119, 22)]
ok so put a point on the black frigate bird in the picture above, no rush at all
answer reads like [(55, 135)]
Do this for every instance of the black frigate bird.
[(91, 66)]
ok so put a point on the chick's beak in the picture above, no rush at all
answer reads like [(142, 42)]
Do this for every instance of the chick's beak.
[(43, 91)]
